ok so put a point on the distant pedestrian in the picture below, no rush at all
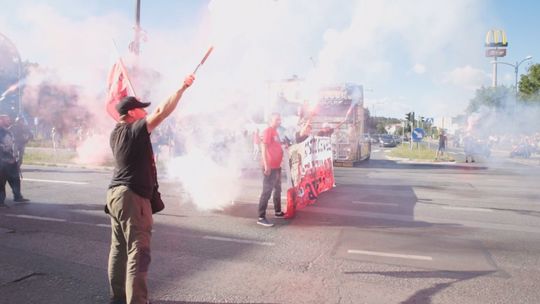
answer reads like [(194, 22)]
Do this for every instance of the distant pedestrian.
[(131, 192), (468, 147), (55, 139), (272, 155), (442, 145), (256, 140)]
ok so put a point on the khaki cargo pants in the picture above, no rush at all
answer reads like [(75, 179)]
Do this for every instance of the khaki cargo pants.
[(129, 258)]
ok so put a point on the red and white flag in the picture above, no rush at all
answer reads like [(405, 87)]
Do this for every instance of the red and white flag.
[(118, 87)]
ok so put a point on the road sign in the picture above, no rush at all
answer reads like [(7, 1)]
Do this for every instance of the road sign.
[(418, 134)]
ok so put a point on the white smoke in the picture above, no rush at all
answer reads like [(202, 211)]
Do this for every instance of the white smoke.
[(255, 42)]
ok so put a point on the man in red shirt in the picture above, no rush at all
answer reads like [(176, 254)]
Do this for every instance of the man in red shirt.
[(272, 155)]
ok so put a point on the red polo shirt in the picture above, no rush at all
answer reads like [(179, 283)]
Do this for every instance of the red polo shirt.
[(274, 153)]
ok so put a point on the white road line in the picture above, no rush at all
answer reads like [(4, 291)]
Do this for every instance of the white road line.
[(226, 239), (376, 150), (375, 203), (52, 219), (90, 224), (54, 181), (33, 217), (467, 209), (391, 255)]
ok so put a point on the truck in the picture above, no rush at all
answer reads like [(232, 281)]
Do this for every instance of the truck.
[(339, 106)]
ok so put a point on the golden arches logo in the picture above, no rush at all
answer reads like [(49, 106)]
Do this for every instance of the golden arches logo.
[(496, 38)]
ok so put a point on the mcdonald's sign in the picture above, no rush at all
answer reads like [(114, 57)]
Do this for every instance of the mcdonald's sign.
[(495, 52), (496, 38)]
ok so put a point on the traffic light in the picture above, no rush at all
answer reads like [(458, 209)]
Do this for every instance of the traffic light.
[(408, 116)]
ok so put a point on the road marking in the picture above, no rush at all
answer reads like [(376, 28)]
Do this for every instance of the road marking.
[(33, 217), (90, 224), (52, 219), (391, 255), (376, 150), (467, 209), (54, 181), (375, 203), (226, 239)]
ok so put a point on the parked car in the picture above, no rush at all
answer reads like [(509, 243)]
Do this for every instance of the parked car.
[(366, 138), (387, 141), (398, 139)]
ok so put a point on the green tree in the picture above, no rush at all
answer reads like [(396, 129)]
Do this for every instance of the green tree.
[(399, 131), (529, 84), (380, 128), (497, 97)]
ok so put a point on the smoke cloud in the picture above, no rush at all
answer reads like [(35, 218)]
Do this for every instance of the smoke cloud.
[(255, 42)]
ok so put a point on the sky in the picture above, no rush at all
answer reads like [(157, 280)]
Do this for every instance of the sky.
[(423, 56)]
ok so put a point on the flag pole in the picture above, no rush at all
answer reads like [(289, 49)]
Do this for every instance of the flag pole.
[(123, 67)]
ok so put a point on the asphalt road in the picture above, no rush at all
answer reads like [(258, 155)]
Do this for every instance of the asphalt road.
[(390, 232)]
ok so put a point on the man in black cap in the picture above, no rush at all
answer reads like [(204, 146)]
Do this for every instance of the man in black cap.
[(129, 194)]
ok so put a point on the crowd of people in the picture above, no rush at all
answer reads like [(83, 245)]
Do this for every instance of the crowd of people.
[(513, 145)]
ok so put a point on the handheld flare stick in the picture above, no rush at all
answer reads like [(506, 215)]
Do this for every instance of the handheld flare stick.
[(11, 89), (349, 111), (204, 59)]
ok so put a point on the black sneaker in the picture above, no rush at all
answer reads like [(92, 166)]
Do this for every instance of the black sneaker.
[(280, 214), (264, 222), (21, 200)]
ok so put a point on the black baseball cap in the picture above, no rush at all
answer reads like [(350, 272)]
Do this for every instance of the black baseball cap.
[(129, 103)]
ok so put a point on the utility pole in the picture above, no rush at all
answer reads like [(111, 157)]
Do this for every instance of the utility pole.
[(494, 76), (135, 46)]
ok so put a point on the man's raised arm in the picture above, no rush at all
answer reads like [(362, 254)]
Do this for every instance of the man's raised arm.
[(167, 107)]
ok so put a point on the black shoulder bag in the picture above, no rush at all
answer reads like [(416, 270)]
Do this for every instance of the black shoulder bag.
[(156, 202)]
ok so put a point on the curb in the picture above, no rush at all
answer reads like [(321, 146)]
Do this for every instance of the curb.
[(420, 162)]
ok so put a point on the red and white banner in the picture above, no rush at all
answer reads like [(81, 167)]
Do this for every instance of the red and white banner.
[(311, 172)]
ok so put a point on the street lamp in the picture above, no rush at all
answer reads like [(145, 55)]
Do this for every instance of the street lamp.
[(516, 68)]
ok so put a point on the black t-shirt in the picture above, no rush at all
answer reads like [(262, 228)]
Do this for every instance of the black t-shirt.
[(134, 162)]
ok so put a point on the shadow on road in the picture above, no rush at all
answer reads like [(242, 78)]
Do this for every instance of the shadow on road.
[(178, 253), (425, 296)]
